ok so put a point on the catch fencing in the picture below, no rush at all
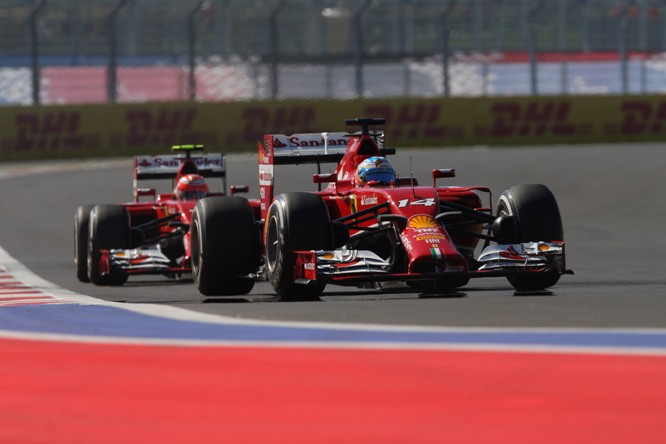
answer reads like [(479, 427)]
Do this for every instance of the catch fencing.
[(105, 51)]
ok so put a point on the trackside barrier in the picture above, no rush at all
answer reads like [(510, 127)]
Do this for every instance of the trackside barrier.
[(47, 132)]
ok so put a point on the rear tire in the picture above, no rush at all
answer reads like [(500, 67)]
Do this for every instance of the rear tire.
[(109, 228), (225, 246), (295, 221), (537, 219), (81, 228)]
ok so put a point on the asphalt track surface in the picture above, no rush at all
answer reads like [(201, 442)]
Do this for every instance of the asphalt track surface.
[(382, 368), (611, 198)]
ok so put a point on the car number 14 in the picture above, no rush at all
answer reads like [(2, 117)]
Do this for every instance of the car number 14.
[(426, 202)]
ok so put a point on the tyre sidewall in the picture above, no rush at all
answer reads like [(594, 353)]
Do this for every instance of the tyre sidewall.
[(81, 232), (538, 219), (225, 246), (536, 211), (296, 221), (109, 228)]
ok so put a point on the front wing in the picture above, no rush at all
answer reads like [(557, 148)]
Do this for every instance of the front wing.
[(354, 267), (148, 260)]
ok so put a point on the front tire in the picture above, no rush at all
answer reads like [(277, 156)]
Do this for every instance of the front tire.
[(225, 246), (537, 219), (109, 228), (81, 228), (295, 221)]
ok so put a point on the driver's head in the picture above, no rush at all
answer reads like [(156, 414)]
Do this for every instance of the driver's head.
[(191, 187), (375, 171)]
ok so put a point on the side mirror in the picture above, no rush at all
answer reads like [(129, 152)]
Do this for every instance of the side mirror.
[(235, 189), (141, 192), (441, 173), (323, 178)]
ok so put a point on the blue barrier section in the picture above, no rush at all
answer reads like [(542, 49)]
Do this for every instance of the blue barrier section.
[(112, 322)]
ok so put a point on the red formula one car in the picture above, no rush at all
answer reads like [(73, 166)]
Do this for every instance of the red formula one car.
[(113, 242), (368, 226)]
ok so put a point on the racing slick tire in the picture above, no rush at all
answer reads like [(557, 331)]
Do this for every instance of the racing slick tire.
[(537, 219), (225, 246), (81, 224), (295, 221), (109, 228)]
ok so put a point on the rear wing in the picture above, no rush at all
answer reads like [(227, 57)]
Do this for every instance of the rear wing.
[(297, 149), (167, 166), (305, 148)]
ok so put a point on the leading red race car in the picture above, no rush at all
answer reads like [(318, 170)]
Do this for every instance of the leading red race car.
[(113, 242), (368, 227)]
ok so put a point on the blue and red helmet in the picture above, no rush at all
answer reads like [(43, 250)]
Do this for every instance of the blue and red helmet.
[(375, 171)]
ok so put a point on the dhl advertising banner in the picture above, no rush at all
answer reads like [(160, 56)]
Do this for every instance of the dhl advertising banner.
[(44, 132)]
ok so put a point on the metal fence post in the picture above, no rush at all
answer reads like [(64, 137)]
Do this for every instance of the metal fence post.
[(191, 44), (532, 11), (622, 45), (34, 52), (274, 47), (113, 49), (357, 29), (584, 26), (478, 25), (562, 25), (444, 41), (662, 4)]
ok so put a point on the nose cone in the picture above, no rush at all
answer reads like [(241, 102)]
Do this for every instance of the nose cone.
[(429, 247)]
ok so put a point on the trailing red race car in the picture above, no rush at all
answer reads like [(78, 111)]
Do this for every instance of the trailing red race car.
[(113, 242), (369, 226)]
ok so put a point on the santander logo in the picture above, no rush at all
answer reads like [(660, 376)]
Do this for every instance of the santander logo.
[(369, 200)]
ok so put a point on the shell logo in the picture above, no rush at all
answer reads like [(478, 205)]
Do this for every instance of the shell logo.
[(422, 221)]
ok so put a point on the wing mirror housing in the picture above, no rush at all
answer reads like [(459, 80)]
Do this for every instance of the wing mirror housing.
[(323, 177), (236, 189), (442, 173), (142, 192)]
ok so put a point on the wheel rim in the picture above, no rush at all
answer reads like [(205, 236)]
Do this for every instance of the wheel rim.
[(272, 241), (504, 208), (90, 246), (195, 250), (76, 242)]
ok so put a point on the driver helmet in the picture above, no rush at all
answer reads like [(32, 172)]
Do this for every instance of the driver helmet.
[(375, 171), (191, 187)]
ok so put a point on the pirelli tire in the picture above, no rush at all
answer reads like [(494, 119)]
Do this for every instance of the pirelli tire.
[(225, 246), (109, 228), (295, 221), (537, 217), (81, 228)]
